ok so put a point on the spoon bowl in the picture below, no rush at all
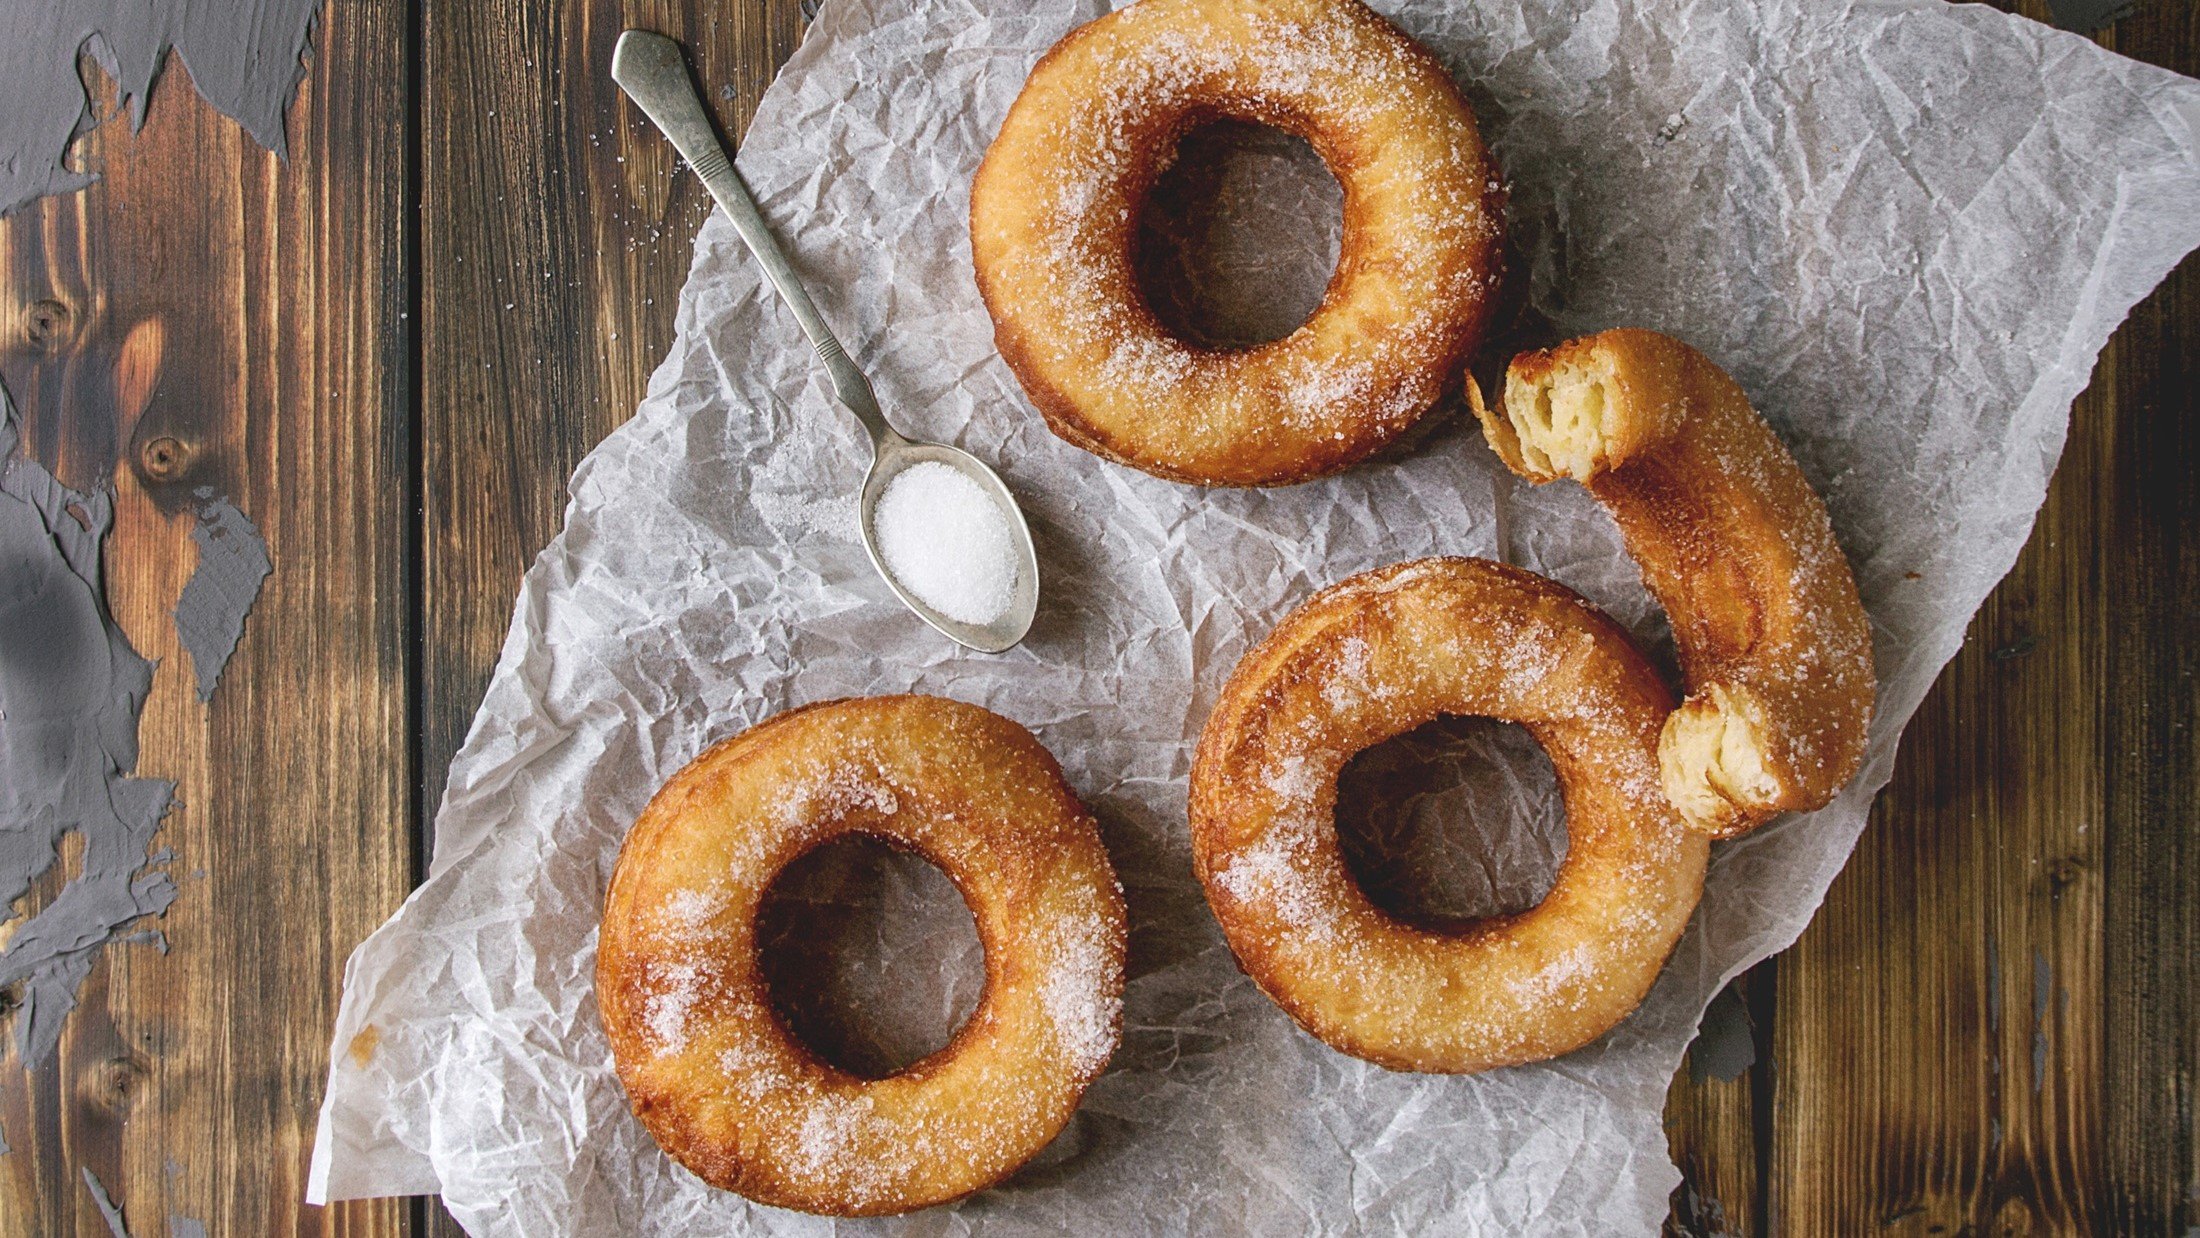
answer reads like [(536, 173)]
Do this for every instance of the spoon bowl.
[(651, 70), (893, 455)]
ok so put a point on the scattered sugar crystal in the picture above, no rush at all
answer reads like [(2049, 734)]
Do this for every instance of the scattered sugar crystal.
[(802, 513), (666, 1011), (831, 1143), (1267, 873), (947, 541), (1293, 777), (751, 1073), (836, 790), (1076, 997), (1548, 982), (688, 909), (1350, 682)]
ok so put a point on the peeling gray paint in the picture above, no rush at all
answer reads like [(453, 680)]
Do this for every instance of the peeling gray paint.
[(148, 937), (1726, 1043), (245, 56), (2043, 980), (233, 563), (70, 691), (1698, 1215), (179, 1225), (107, 1209), (1993, 986)]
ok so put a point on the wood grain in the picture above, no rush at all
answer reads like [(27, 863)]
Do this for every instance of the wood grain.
[(1721, 1129), (242, 315), (555, 240), (2149, 880), (1990, 1026)]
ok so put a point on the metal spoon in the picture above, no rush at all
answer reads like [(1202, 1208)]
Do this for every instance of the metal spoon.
[(649, 68)]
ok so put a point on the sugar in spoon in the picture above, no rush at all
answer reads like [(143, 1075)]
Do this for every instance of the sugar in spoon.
[(652, 72)]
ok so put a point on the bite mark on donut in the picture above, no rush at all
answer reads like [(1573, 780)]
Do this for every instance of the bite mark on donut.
[(1563, 423), (1557, 414), (1713, 755), (1736, 546)]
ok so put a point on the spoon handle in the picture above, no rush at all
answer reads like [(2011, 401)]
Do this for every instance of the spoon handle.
[(650, 69)]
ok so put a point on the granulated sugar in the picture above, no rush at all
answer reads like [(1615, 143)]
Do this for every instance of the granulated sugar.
[(946, 540), (1077, 993), (666, 1010)]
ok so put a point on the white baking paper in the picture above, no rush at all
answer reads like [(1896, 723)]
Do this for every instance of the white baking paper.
[(1906, 227)]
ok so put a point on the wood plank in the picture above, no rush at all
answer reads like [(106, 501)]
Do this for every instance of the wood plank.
[(1930, 1079), (2150, 874), (249, 312), (1718, 1126), (556, 238)]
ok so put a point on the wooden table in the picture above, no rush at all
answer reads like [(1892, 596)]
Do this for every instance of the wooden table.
[(394, 349)]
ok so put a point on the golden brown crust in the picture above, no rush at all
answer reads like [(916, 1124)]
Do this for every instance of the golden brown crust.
[(708, 1066), (1054, 215), (1733, 542), (1374, 657)]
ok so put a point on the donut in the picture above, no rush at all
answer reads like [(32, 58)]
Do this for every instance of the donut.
[(1054, 218), (1374, 657), (708, 1066), (1733, 542)]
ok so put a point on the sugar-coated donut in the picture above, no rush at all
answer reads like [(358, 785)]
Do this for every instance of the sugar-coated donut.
[(1054, 216), (1733, 542), (1375, 657), (707, 1064)]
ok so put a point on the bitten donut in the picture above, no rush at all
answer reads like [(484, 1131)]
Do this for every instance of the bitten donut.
[(1054, 217), (707, 1064), (1375, 657), (1735, 545)]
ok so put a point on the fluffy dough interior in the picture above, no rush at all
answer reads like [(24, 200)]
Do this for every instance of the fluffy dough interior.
[(1712, 756), (1560, 417)]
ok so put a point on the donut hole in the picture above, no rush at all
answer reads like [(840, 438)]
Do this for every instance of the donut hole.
[(1239, 237), (870, 955), (1454, 821)]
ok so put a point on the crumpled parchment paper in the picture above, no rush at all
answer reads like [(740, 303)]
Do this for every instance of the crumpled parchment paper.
[(1906, 227)]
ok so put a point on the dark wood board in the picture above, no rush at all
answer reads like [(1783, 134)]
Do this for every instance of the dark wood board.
[(249, 312), (554, 241)]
